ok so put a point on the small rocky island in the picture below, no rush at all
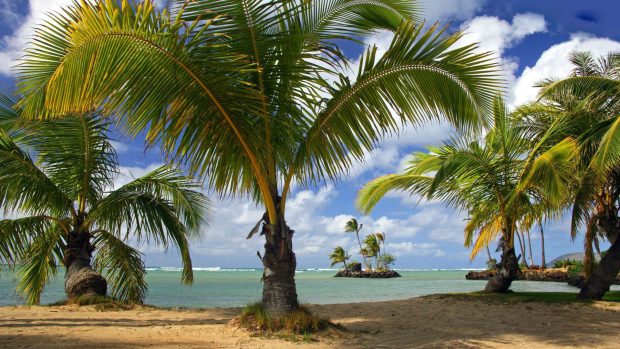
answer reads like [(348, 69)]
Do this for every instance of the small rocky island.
[(372, 251), (354, 270)]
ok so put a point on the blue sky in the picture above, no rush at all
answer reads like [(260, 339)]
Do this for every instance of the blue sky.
[(532, 39)]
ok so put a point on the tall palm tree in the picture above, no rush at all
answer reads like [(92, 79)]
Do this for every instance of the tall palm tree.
[(352, 226), (339, 256), (586, 106), (372, 248), (252, 94), (495, 179), (381, 242), (67, 217)]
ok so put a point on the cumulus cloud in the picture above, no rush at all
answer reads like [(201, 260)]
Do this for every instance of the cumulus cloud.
[(497, 35), (554, 63), (440, 10), (414, 249)]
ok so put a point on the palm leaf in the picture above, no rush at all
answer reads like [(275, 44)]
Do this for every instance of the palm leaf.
[(122, 266)]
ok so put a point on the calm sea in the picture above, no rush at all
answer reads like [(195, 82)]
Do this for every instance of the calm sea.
[(221, 287)]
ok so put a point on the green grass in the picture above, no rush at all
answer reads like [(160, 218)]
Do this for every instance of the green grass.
[(524, 297), (101, 303), (300, 325)]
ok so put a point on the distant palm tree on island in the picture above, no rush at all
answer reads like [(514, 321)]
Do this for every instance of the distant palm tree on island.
[(352, 226), (339, 256), (67, 217), (253, 95)]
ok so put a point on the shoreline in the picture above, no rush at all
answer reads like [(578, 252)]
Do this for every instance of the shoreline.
[(429, 321)]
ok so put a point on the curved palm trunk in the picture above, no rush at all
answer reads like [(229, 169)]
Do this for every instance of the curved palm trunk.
[(279, 290), (368, 267), (529, 243), (542, 242), (507, 271), (522, 246), (81, 279), (604, 274)]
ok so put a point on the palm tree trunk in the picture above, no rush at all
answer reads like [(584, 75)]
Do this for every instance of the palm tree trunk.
[(529, 242), (604, 274), (507, 269), (361, 251), (489, 253), (81, 279), (542, 242), (522, 246), (279, 290)]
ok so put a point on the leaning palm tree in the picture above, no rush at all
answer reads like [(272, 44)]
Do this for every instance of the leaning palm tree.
[(371, 248), (352, 226), (339, 256), (65, 215), (586, 106), (496, 180), (253, 95)]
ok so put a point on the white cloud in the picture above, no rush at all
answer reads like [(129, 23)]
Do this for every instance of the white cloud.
[(414, 249), (440, 10), (497, 35), (128, 173), (554, 63), (8, 12)]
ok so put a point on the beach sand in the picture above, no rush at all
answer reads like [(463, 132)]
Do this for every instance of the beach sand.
[(433, 321)]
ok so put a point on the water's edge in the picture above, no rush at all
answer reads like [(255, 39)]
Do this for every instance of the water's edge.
[(234, 287)]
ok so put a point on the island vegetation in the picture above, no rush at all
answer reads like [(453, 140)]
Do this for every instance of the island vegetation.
[(372, 249)]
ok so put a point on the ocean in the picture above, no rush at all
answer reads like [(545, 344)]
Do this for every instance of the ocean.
[(222, 287)]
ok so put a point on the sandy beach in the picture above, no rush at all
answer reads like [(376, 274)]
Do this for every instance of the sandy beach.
[(434, 321)]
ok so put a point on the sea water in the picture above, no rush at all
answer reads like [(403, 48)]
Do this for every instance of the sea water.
[(223, 287)]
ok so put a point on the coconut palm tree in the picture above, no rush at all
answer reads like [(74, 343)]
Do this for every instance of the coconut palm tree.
[(253, 95), (586, 106), (495, 179), (372, 248), (381, 242), (339, 256), (65, 215), (352, 226)]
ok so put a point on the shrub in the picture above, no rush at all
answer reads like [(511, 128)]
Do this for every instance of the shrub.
[(301, 322)]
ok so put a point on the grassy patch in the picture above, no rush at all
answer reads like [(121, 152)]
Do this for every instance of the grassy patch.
[(525, 297), (300, 325), (100, 303)]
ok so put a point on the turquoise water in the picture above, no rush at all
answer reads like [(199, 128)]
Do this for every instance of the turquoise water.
[(236, 287)]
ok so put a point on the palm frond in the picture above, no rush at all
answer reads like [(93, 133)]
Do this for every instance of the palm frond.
[(23, 186), (162, 206), (421, 77), (40, 262), (122, 266)]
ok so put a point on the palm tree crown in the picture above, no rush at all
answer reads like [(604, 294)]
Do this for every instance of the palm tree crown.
[(67, 211), (497, 180)]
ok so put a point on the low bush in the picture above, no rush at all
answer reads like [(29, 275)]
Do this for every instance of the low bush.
[(301, 322)]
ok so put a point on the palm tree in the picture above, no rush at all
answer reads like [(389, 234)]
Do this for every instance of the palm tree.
[(372, 248), (381, 241), (252, 94), (339, 256), (496, 180), (543, 263), (67, 217), (586, 106), (352, 226)]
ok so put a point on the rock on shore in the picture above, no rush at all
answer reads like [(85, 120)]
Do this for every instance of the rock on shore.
[(553, 275)]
